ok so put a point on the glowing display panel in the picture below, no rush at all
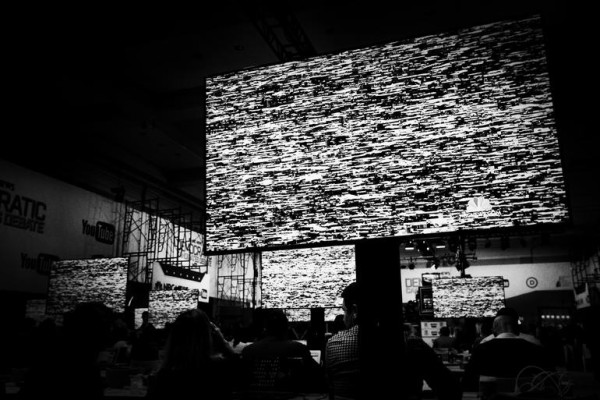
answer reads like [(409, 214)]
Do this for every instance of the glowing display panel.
[(428, 135)]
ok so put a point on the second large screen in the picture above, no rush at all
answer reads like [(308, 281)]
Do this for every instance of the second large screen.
[(476, 297), (302, 279), (429, 135)]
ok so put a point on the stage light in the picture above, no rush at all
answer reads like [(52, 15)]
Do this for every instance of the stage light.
[(440, 245), (425, 248)]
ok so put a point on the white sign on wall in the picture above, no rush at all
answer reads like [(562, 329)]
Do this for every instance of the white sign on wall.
[(44, 220), (520, 278)]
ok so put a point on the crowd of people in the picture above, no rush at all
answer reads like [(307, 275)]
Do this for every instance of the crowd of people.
[(193, 358)]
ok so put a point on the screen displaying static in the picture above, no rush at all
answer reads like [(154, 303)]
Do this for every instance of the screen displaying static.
[(165, 305), (475, 297), (86, 280), (422, 136), (301, 279)]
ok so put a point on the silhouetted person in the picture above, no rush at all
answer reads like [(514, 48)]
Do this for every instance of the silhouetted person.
[(121, 345), (443, 341), (198, 364), (71, 370), (305, 375), (512, 313), (504, 356), (420, 361), (145, 343)]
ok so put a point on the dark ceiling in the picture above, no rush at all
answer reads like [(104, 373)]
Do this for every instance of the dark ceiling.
[(111, 100)]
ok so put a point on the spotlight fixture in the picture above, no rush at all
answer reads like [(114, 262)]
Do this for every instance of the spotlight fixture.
[(425, 248), (440, 245)]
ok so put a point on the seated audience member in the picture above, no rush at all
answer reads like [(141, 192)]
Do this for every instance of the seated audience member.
[(511, 312), (443, 341), (504, 356), (70, 370), (341, 351), (423, 364), (199, 363), (336, 326), (420, 361), (304, 374), (121, 347), (145, 341)]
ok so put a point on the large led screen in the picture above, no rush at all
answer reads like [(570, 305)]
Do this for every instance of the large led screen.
[(165, 305), (300, 279), (433, 134), (475, 297), (86, 280)]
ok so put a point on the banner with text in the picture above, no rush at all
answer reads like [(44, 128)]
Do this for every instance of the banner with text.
[(44, 220)]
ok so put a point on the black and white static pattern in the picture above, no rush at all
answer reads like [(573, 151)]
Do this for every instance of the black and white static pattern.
[(87, 280), (435, 134), (342, 350), (467, 297), (306, 278), (36, 309), (304, 314), (165, 305)]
